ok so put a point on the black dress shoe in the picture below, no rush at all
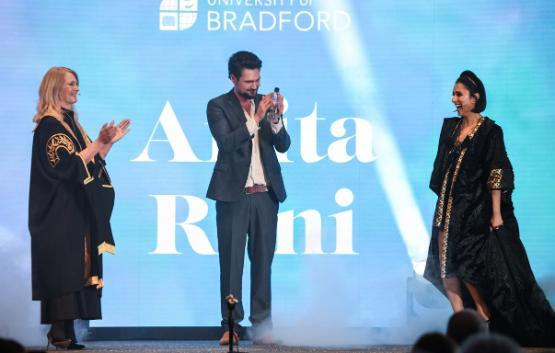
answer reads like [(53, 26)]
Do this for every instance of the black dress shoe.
[(75, 346)]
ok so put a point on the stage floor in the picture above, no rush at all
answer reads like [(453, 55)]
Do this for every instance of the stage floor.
[(247, 346)]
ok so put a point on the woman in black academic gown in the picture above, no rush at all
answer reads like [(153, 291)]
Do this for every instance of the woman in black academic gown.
[(70, 203), (476, 257)]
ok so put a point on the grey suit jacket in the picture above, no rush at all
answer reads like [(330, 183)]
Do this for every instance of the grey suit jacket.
[(226, 120)]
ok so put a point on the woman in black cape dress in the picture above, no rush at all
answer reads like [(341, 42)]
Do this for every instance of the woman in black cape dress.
[(471, 243), (70, 204)]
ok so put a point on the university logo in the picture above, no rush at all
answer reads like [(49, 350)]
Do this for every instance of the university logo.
[(178, 15)]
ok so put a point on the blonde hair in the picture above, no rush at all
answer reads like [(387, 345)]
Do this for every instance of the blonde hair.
[(49, 93)]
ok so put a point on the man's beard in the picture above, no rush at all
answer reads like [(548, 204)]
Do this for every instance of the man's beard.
[(248, 95)]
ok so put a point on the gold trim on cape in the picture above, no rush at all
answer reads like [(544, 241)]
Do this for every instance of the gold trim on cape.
[(95, 281), (87, 257), (55, 142), (109, 184), (85, 136), (89, 178), (441, 201), (106, 247), (495, 178), (443, 254)]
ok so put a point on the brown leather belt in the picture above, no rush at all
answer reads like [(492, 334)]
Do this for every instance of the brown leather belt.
[(255, 188)]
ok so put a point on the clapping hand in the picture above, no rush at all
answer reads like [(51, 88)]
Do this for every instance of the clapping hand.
[(107, 133), (121, 130), (265, 103), (111, 133)]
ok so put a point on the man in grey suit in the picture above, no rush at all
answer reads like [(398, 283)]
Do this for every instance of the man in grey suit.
[(247, 186)]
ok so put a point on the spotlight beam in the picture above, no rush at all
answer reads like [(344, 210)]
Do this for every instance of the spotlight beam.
[(351, 60)]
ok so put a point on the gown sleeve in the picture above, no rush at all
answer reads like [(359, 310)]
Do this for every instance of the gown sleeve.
[(498, 166), (58, 154)]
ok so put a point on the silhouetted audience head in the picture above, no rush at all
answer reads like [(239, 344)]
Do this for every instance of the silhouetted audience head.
[(464, 324), (10, 346), (490, 343), (434, 342)]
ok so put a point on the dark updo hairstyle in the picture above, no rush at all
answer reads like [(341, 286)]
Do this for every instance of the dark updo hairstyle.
[(474, 85)]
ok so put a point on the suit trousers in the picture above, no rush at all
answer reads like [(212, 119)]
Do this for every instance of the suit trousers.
[(252, 217)]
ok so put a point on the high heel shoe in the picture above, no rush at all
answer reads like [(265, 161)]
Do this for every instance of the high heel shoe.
[(58, 343)]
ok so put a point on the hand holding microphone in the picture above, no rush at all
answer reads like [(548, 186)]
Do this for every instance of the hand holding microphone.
[(270, 107)]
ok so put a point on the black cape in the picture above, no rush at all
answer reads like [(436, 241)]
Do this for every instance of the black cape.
[(494, 262), (70, 204)]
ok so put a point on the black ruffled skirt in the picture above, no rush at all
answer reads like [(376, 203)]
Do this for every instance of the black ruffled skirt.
[(518, 305), (497, 264)]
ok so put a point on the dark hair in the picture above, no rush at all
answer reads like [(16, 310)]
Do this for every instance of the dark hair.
[(434, 342), (491, 343), (242, 60), (464, 324), (474, 85), (11, 346)]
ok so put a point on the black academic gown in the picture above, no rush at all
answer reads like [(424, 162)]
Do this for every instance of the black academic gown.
[(70, 204), (495, 262)]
